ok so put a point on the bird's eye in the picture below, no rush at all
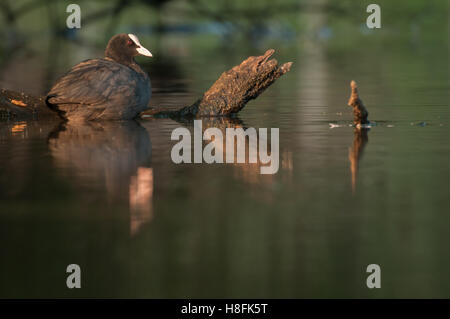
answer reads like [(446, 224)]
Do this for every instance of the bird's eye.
[(130, 43)]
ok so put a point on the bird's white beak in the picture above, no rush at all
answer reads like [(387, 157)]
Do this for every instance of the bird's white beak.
[(143, 51), (140, 49)]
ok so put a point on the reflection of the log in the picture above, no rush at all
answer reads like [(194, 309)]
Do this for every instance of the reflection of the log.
[(355, 152), (116, 154), (247, 171)]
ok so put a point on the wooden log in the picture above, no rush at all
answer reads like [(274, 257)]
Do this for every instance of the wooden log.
[(226, 97), (234, 88), (21, 106)]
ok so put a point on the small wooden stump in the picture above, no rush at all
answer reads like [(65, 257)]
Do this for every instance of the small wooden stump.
[(360, 114)]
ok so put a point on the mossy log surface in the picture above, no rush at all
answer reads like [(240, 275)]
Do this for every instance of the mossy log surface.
[(226, 97)]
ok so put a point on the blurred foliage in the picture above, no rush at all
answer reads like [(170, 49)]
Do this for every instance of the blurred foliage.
[(32, 16), (228, 30)]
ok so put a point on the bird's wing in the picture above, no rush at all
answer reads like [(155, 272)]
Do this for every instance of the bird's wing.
[(89, 83)]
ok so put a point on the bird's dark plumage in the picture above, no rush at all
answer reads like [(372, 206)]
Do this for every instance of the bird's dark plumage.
[(111, 88)]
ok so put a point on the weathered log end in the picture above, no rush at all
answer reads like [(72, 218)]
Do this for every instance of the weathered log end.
[(21, 106), (360, 114), (235, 87)]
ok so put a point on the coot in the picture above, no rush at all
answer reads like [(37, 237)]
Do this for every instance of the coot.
[(112, 88)]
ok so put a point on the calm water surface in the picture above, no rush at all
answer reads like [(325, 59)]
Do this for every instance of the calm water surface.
[(106, 196)]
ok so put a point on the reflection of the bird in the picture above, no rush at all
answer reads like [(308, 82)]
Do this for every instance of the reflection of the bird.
[(141, 195), (116, 154), (355, 152)]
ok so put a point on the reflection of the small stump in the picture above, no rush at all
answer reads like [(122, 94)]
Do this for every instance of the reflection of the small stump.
[(113, 154), (355, 152)]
